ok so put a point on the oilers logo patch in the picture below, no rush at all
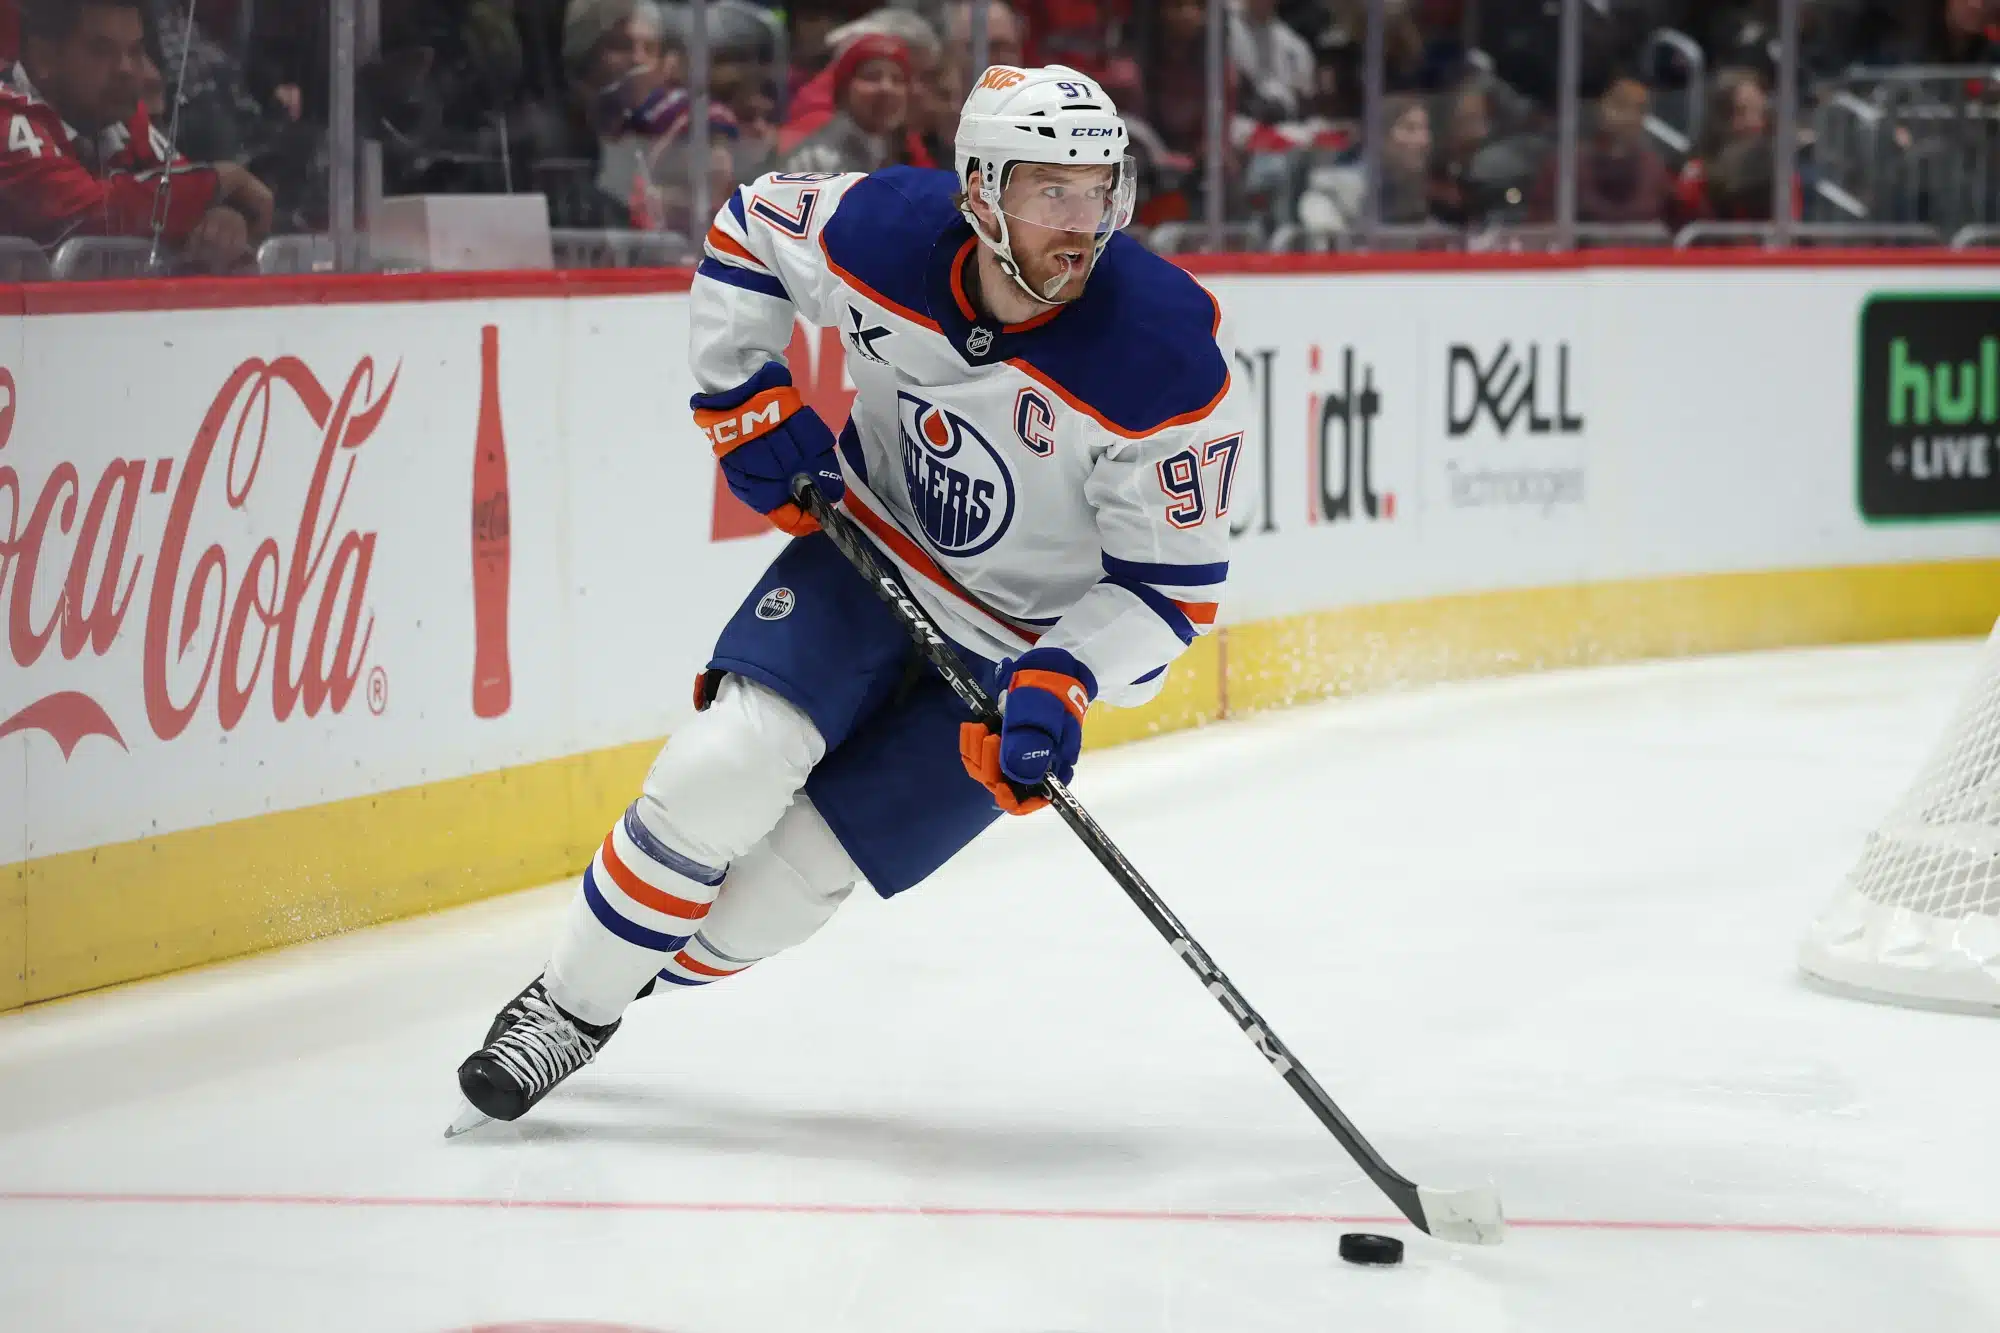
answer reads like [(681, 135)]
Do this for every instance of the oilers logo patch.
[(776, 605), (958, 484)]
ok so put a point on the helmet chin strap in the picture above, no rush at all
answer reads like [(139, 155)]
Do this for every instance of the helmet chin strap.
[(1003, 247), (1003, 253)]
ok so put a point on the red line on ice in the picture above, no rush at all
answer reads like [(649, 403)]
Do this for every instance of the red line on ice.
[(780, 1209)]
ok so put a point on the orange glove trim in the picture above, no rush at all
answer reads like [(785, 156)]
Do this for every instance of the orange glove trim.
[(728, 427), (979, 749), (1066, 688)]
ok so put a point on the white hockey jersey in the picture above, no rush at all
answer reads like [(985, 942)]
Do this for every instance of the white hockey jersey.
[(1065, 481)]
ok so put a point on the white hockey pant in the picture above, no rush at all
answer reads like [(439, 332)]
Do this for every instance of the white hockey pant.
[(721, 862)]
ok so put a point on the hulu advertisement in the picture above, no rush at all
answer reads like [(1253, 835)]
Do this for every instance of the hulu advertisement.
[(1929, 426)]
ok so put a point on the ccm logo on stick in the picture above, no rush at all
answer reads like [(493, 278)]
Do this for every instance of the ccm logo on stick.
[(1251, 1029)]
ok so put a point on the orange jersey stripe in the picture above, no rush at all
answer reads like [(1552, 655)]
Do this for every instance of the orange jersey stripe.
[(964, 301), (914, 556), (1201, 613), (873, 295), (1183, 419), (729, 245), (644, 894)]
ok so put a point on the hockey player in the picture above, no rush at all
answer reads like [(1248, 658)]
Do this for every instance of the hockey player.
[(1041, 442)]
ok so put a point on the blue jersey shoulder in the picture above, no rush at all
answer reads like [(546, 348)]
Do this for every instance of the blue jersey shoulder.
[(1139, 347), (882, 234)]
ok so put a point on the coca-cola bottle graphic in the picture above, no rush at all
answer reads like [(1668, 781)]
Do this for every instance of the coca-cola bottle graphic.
[(492, 544)]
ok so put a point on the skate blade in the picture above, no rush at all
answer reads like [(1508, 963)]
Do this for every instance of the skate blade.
[(469, 1118)]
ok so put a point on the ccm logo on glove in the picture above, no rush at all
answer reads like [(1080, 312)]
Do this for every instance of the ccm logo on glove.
[(763, 435), (767, 410), (1048, 692)]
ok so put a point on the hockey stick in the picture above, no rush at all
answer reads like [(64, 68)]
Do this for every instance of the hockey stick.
[(1470, 1216)]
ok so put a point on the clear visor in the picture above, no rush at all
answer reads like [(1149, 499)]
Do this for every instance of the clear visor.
[(1091, 201)]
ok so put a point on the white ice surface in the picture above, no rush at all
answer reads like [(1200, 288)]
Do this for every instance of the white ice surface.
[(1538, 932)]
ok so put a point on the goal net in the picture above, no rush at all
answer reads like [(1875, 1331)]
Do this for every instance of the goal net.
[(1917, 920)]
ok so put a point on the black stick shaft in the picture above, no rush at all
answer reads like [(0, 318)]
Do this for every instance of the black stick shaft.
[(939, 652)]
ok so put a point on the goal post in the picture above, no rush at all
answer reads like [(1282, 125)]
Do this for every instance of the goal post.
[(1917, 921)]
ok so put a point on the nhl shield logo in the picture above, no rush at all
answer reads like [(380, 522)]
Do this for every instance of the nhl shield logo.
[(980, 341), (958, 483), (777, 604)]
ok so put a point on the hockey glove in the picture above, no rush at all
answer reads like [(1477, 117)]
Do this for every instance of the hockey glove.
[(764, 436), (1041, 729)]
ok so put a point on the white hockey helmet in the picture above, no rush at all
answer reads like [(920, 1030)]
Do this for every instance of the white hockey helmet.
[(1054, 115)]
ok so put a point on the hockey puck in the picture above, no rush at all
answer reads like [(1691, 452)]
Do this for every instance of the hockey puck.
[(1358, 1247)]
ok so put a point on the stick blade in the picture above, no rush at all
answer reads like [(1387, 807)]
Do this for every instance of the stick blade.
[(1468, 1217)]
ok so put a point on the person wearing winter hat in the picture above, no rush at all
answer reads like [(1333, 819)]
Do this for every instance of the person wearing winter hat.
[(871, 79), (814, 104)]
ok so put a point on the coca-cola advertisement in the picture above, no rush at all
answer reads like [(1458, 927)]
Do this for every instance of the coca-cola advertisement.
[(232, 581), (155, 594), (298, 605)]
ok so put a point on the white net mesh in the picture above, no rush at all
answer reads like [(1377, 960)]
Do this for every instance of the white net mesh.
[(1918, 919)]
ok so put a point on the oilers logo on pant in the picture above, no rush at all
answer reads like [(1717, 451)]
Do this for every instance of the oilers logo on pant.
[(777, 604), (958, 483)]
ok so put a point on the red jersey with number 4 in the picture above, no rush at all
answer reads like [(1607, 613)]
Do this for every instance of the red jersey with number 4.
[(57, 182)]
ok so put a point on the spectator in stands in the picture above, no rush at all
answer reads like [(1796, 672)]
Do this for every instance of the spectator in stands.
[(955, 72), (1342, 43), (930, 106), (590, 151), (80, 147), (1739, 182), (663, 199), (871, 79), (1005, 39), (1406, 158), (1619, 177), (1333, 201), (1468, 127), (446, 96), (743, 76), (816, 103), (219, 118), (753, 103), (1738, 111), (222, 119), (1274, 66)]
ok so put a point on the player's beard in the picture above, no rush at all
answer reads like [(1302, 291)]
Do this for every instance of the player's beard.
[(1057, 272)]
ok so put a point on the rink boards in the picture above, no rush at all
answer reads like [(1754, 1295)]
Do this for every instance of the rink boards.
[(291, 652)]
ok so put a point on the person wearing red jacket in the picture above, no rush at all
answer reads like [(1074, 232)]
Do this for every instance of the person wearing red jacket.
[(79, 156)]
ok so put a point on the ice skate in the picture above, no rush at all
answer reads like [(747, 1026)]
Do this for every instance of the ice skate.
[(532, 1046)]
